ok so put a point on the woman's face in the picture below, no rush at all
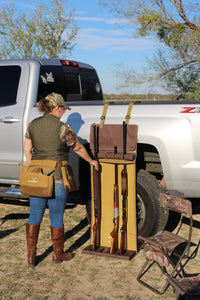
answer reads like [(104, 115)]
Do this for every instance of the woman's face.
[(61, 110)]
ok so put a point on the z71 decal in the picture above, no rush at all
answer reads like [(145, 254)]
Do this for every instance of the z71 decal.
[(190, 110)]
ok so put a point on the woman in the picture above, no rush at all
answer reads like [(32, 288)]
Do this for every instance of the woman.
[(47, 138)]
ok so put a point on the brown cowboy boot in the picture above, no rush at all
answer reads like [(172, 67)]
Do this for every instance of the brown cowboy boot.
[(32, 232), (57, 235)]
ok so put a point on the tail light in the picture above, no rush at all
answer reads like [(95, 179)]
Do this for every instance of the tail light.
[(69, 63)]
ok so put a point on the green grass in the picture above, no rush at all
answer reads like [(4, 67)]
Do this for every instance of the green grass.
[(85, 277)]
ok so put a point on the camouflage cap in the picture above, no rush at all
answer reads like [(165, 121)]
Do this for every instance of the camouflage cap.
[(56, 100)]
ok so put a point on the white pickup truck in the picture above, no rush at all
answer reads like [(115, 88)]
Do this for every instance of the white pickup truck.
[(168, 151)]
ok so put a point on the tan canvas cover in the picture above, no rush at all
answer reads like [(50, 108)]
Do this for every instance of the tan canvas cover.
[(109, 141)]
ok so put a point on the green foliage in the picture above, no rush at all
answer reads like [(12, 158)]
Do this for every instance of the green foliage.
[(46, 32), (192, 96), (149, 21), (176, 24), (186, 82), (171, 35)]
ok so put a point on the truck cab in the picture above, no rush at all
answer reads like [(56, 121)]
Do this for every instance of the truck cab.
[(23, 83)]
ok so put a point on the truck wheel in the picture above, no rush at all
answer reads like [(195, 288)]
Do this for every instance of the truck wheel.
[(150, 216)]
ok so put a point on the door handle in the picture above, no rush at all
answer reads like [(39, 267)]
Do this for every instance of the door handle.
[(9, 120)]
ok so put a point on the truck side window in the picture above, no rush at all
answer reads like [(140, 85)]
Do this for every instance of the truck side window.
[(9, 82)]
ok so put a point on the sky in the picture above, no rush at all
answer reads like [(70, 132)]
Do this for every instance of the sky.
[(105, 43)]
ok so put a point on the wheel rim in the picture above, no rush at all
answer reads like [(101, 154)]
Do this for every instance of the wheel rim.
[(141, 212)]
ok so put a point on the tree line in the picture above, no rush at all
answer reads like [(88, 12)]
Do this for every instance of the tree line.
[(140, 97)]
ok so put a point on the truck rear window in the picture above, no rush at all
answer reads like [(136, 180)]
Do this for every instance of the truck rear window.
[(75, 84), (91, 88), (9, 82)]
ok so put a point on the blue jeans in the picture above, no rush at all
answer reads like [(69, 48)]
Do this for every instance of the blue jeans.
[(56, 205)]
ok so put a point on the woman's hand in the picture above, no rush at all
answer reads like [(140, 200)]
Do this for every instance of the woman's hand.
[(95, 164), (81, 151)]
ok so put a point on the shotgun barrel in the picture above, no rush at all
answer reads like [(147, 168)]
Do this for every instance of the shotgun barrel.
[(114, 233), (124, 217), (95, 194), (96, 217), (124, 192)]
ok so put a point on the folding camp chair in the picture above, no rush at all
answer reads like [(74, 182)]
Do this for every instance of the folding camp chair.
[(186, 288), (167, 249)]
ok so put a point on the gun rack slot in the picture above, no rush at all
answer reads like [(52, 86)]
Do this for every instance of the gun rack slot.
[(109, 170)]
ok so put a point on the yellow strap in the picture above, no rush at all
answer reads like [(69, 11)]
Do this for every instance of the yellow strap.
[(104, 114), (128, 116)]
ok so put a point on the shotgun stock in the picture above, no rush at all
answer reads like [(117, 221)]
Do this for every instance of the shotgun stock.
[(114, 233), (95, 195)]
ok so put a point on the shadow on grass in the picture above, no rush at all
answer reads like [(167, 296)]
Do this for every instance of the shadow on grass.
[(19, 202), (4, 233), (77, 244), (14, 217), (23, 202), (174, 219), (196, 224)]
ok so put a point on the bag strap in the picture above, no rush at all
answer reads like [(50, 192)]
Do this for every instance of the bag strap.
[(104, 114), (105, 108), (61, 163), (128, 116)]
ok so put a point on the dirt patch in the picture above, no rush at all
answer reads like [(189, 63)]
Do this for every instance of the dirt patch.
[(84, 277)]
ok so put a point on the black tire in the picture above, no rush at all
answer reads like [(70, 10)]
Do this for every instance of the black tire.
[(150, 216)]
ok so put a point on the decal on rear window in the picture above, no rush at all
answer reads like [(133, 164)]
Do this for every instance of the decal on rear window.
[(48, 78)]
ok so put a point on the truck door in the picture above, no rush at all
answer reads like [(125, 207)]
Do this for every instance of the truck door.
[(13, 89)]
